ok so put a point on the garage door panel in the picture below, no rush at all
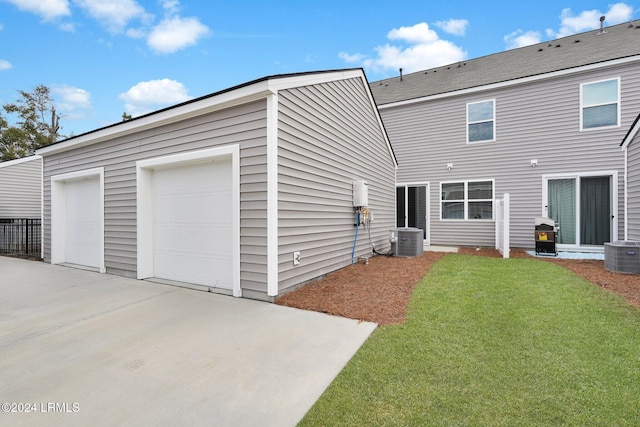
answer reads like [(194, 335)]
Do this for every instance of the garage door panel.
[(190, 207), (82, 222), (192, 219), (188, 238)]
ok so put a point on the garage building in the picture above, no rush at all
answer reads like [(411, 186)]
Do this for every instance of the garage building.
[(247, 191)]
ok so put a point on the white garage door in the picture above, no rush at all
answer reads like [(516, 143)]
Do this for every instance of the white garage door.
[(192, 223), (82, 222)]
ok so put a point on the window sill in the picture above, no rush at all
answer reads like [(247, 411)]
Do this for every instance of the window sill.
[(599, 128)]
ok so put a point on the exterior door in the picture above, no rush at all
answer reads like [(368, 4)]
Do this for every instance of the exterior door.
[(582, 207), (411, 207)]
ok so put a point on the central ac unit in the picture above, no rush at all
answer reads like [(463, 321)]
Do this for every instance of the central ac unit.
[(407, 242), (622, 256)]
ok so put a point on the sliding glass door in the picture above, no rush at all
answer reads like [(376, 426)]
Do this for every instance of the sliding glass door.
[(411, 207), (562, 208), (582, 208), (595, 211)]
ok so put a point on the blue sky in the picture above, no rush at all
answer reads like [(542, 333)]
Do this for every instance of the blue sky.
[(105, 57)]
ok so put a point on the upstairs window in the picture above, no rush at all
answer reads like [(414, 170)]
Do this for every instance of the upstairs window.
[(481, 121), (467, 200), (600, 104)]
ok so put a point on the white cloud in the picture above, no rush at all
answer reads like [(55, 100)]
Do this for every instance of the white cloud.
[(147, 96), (418, 47), (68, 27), (136, 33), (48, 10), (174, 34), (171, 7), (357, 57), (454, 26), (521, 38), (590, 19), (419, 33), (5, 65), (171, 34), (72, 102), (113, 14)]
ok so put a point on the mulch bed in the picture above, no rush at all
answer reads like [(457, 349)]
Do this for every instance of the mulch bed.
[(380, 290)]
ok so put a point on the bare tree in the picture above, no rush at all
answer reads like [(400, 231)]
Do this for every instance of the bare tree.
[(37, 124)]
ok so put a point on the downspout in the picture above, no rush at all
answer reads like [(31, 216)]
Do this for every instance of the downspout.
[(626, 196)]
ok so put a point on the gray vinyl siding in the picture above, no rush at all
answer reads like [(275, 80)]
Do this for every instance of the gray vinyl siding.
[(328, 137), (634, 189), (244, 125), (21, 188), (537, 120)]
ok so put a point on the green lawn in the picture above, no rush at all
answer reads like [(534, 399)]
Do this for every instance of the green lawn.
[(493, 342)]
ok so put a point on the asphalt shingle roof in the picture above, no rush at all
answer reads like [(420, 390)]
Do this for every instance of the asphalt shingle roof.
[(619, 41)]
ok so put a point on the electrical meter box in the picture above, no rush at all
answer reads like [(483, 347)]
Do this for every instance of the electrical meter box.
[(360, 194)]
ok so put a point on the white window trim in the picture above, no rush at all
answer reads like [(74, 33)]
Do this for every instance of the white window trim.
[(466, 200), (58, 213), (493, 139), (144, 172), (618, 102)]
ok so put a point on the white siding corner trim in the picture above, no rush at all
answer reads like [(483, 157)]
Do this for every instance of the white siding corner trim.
[(144, 215), (272, 195), (59, 214)]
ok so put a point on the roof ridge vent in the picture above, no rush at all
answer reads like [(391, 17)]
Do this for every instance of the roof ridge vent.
[(602, 31)]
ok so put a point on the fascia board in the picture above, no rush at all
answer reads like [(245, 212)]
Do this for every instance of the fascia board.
[(14, 162), (635, 128), (289, 82), (222, 101), (242, 95)]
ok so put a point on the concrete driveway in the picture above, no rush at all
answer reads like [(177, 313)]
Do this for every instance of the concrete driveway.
[(82, 348)]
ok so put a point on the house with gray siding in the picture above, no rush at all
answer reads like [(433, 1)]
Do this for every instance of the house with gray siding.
[(247, 191), (631, 147), (21, 188), (21, 207), (542, 123)]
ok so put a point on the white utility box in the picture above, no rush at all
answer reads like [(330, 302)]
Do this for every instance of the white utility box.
[(360, 194)]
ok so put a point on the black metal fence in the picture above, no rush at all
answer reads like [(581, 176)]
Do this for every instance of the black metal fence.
[(20, 237)]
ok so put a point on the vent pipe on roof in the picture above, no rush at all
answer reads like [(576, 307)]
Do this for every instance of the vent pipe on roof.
[(602, 31), (400, 74)]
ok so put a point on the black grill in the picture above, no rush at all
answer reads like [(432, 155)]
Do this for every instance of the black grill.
[(546, 233)]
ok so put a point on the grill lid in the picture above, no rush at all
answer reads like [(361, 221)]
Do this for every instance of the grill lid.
[(540, 220)]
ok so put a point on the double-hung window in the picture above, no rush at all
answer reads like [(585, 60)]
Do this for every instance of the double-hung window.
[(481, 121), (600, 104), (467, 200)]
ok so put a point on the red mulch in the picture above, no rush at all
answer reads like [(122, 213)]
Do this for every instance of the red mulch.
[(380, 290), (376, 292)]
